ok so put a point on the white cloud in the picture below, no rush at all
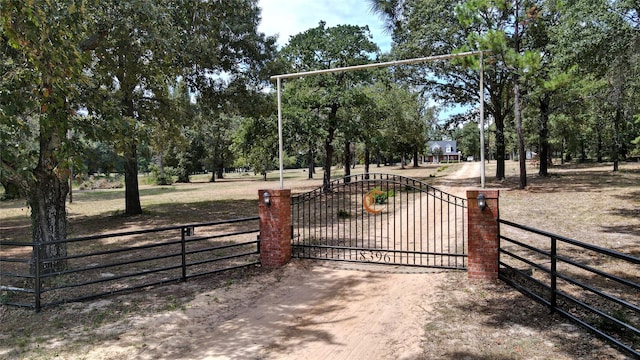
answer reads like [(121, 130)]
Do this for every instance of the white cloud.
[(290, 17)]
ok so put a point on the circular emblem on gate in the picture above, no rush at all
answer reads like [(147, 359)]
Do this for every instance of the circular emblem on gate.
[(369, 201)]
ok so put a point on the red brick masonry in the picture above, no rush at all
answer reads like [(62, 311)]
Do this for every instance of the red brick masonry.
[(483, 235), (275, 228)]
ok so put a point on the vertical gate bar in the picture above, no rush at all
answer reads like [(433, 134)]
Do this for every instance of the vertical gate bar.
[(395, 216), (337, 240), (448, 229), (355, 209), (455, 229), (311, 222), (323, 215), (323, 226), (421, 218), (428, 224), (441, 231), (384, 225), (343, 240), (435, 234), (329, 215), (360, 197), (464, 233), (295, 221), (414, 221), (316, 223), (554, 290), (400, 207), (303, 224)]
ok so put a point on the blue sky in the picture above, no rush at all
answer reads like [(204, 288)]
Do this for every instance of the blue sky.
[(291, 17)]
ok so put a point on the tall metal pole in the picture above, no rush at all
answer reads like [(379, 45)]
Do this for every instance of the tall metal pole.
[(70, 171), (482, 180), (280, 140), (371, 66)]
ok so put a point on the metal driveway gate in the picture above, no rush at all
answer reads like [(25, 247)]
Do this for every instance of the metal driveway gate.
[(380, 218)]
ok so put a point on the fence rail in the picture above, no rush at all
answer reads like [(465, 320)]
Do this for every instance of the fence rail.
[(596, 287), (106, 264)]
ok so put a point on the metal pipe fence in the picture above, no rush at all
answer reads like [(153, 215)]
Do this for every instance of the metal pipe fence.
[(595, 287), (106, 264)]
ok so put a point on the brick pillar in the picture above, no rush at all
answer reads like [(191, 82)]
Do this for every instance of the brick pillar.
[(275, 228), (483, 235)]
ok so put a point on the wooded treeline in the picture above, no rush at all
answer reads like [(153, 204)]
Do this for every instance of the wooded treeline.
[(176, 87)]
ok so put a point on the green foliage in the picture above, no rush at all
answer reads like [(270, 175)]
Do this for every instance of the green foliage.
[(344, 214), (383, 196), (257, 141), (320, 103)]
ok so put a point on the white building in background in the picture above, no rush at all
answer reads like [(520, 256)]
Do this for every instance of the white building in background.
[(443, 151)]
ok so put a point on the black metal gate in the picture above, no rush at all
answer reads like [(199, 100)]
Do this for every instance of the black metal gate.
[(381, 218)]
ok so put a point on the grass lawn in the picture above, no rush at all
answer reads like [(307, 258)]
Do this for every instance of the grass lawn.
[(586, 202)]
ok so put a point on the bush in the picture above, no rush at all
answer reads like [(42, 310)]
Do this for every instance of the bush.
[(101, 183), (382, 198)]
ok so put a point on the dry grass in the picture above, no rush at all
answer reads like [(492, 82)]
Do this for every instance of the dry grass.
[(587, 202)]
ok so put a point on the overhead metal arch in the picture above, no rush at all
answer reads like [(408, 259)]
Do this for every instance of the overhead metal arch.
[(279, 78)]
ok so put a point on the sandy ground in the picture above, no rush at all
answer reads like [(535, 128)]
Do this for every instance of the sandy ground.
[(307, 310)]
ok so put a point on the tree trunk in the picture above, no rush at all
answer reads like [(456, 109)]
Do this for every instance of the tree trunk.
[(47, 198), (367, 160), (132, 192), (516, 108), (599, 144), (415, 159), (543, 106), (328, 146), (347, 161), (521, 153), (500, 150), (616, 139), (312, 165), (11, 190)]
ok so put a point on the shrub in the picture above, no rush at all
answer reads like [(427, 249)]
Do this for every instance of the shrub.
[(101, 183)]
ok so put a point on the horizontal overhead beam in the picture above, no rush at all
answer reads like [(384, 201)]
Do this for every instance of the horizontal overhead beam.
[(377, 65)]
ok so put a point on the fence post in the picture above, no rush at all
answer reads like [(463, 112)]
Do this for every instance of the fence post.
[(275, 227), (183, 252), (483, 232), (554, 277), (37, 286)]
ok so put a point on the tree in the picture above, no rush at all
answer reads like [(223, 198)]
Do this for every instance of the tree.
[(469, 143), (604, 42), (257, 141), (424, 28), (18, 127), (325, 48), (46, 47), (146, 45)]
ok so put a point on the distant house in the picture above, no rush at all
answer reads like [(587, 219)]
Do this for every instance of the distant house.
[(443, 151)]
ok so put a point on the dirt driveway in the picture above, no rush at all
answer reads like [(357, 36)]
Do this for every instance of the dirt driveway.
[(315, 310), (308, 310)]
